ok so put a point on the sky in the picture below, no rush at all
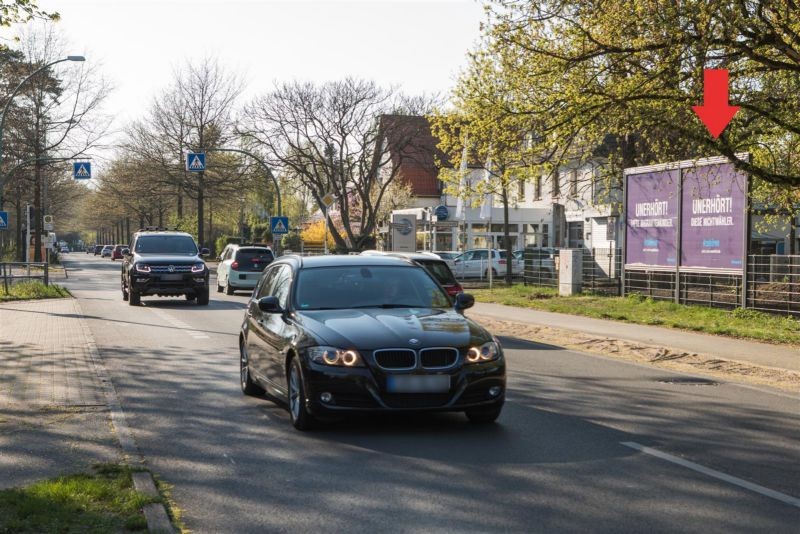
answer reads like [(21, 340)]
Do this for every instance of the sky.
[(417, 45)]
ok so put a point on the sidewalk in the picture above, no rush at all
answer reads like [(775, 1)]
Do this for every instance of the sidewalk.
[(53, 414), (762, 354)]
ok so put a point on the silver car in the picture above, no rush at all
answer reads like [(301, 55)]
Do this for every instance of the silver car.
[(240, 267), (475, 264), (106, 252)]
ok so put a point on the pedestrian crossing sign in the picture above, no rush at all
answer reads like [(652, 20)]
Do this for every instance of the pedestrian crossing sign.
[(279, 225), (196, 161), (81, 170), (3, 220)]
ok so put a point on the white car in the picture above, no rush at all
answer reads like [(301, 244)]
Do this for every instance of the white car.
[(475, 264), (240, 267), (107, 251)]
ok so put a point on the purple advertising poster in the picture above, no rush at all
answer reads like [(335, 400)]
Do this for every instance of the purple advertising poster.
[(652, 219), (713, 219)]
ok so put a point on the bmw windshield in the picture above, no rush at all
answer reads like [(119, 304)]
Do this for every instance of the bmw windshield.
[(345, 287)]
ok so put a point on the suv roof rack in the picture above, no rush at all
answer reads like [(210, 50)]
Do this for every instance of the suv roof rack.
[(158, 229)]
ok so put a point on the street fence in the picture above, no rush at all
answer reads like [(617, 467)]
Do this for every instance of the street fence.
[(772, 285), (13, 272)]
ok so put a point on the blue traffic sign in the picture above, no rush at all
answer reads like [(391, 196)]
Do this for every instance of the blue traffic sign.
[(279, 225), (3, 220), (196, 161), (441, 212), (81, 170)]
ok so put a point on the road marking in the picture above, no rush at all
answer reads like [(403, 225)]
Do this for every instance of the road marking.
[(761, 490), (177, 323)]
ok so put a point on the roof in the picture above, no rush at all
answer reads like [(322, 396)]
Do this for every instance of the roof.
[(163, 232), (310, 262), (416, 256), (413, 148)]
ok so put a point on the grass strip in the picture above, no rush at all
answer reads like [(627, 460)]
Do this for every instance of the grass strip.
[(737, 323), (102, 501), (32, 290)]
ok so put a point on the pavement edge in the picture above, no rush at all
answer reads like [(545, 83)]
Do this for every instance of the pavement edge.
[(156, 513)]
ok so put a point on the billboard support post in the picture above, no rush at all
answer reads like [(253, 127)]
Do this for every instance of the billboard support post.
[(746, 243), (623, 232), (678, 247)]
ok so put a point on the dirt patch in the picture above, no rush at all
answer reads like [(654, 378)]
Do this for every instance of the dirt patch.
[(663, 357)]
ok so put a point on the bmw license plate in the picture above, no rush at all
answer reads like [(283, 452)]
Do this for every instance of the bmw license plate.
[(418, 384)]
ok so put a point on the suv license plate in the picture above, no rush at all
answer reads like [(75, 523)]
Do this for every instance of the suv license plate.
[(171, 277), (418, 384)]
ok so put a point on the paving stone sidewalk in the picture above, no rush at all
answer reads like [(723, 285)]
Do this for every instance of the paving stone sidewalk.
[(53, 414)]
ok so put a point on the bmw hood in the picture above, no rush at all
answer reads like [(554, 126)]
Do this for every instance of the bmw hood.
[(375, 328)]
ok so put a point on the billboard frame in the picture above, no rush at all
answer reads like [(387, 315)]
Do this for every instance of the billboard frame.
[(681, 167)]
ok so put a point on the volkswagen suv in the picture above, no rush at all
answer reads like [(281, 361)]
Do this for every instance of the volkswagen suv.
[(164, 263)]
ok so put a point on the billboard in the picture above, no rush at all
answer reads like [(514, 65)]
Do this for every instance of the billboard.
[(652, 215), (713, 219), (687, 215)]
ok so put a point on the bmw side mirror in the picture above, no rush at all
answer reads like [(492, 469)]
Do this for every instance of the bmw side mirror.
[(464, 301), (204, 252), (269, 305)]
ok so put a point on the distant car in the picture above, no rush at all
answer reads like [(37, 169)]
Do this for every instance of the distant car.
[(116, 254), (475, 264), (98, 249), (90, 249), (447, 256), (64, 250), (240, 267), (107, 251), (437, 267), (541, 259)]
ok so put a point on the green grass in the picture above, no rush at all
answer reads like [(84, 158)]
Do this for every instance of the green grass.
[(31, 290), (101, 501), (739, 323)]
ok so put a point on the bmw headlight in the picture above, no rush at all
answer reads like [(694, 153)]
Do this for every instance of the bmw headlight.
[(142, 268), (334, 356), (487, 352), (198, 267)]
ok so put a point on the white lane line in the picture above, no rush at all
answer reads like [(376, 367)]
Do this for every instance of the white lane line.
[(177, 323), (761, 490)]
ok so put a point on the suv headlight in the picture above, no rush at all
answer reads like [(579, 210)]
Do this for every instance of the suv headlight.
[(198, 267), (336, 357), (487, 352), (142, 268)]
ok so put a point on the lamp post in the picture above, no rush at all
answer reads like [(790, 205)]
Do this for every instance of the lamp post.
[(16, 90)]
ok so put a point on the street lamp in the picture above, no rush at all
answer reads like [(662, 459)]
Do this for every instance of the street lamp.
[(8, 104)]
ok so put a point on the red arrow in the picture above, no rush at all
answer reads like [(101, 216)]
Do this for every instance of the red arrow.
[(715, 111)]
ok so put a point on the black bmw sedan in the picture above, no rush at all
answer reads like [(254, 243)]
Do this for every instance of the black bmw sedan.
[(338, 334)]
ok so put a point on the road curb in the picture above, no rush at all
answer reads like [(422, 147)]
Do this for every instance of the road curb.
[(156, 513)]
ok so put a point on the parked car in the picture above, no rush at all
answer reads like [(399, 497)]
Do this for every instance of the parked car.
[(542, 259), (64, 250), (331, 335), (107, 251), (437, 267), (116, 254), (90, 249), (240, 267), (449, 257), (164, 263), (475, 264), (98, 249)]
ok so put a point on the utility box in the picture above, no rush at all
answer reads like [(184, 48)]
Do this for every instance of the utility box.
[(570, 271)]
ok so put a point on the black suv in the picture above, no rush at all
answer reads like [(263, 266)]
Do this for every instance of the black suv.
[(164, 263)]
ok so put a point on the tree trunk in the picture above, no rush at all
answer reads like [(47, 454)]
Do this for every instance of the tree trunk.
[(37, 216), (507, 239)]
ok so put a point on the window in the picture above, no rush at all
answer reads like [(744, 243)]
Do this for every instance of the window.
[(166, 244), (545, 236), (521, 190), (556, 185), (573, 183), (479, 254), (537, 190), (265, 289), (281, 284)]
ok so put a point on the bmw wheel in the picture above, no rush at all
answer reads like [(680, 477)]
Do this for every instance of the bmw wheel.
[(301, 419), (245, 380)]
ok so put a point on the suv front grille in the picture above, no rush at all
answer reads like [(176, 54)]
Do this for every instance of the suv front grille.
[(441, 357), (396, 358), (175, 268)]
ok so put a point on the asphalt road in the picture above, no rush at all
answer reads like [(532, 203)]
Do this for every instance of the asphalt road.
[(565, 455)]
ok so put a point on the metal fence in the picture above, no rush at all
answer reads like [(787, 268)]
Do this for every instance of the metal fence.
[(540, 267), (602, 269), (773, 283), (13, 272)]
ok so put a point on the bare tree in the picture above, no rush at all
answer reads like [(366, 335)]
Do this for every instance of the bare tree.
[(57, 119), (330, 138)]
